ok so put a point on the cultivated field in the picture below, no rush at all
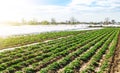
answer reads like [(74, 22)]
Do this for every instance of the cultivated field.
[(94, 51)]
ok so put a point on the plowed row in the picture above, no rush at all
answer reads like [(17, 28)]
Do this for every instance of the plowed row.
[(91, 52)]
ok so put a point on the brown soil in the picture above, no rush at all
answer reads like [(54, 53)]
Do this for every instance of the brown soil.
[(115, 65)]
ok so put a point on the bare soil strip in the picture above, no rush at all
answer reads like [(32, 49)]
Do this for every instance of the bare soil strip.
[(97, 69), (32, 44), (115, 65)]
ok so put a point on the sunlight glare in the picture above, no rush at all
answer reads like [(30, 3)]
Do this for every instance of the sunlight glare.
[(12, 9)]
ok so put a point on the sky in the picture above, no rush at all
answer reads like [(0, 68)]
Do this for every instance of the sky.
[(61, 10)]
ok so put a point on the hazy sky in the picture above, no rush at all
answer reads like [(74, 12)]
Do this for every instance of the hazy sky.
[(82, 10)]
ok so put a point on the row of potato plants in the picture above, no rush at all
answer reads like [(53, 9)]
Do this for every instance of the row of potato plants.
[(78, 62), (25, 57), (107, 62), (13, 41), (20, 60), (19, 54), (94, 61), (31, 47), (41, 45), (61, 63), (35, 55)]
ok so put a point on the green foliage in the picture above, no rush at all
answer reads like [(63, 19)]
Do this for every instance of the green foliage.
[(19, 72), (29, 70), (43, 71), (45, 22), (27, 39), (69, 53), (68, 71)]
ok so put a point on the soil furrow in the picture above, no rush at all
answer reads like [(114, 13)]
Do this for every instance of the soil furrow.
[(115, 64)]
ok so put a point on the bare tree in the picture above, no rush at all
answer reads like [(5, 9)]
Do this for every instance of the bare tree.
[(53, 21), (73, 20), (23, 21), (106, 22), (113, 21)]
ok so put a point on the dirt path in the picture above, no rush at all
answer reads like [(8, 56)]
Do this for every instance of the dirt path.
[(32, 44), (115, 68)]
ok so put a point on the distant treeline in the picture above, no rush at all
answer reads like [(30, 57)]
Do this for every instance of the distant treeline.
[(72, 21)]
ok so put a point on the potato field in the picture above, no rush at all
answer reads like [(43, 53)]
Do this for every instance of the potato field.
[(96, 51)]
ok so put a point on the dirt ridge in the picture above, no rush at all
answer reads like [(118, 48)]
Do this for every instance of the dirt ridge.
[(115, 64)]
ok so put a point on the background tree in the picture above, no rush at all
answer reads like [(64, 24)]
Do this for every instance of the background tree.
[(113, 21), (73, 20), (45, 22), (23, 21), (33, 22), (53, 21), (106, 22)]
